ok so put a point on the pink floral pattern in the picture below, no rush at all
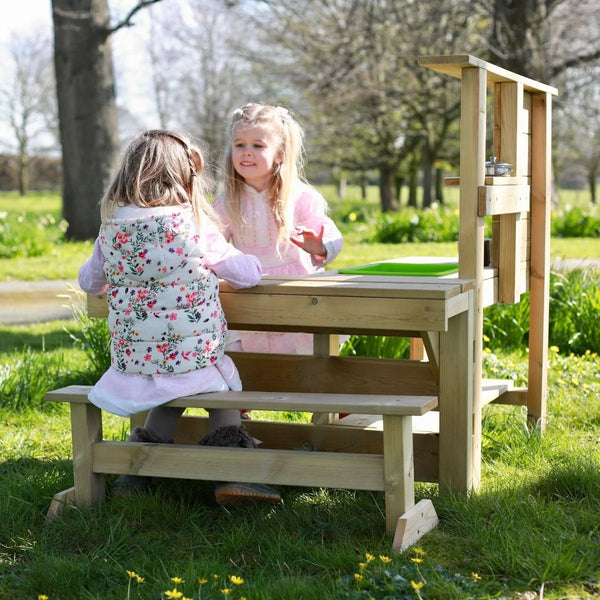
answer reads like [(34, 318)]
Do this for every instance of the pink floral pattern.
[(165, 315)]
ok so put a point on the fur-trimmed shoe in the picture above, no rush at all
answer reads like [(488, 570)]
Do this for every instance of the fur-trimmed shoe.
[(127, 485), (235, 436)]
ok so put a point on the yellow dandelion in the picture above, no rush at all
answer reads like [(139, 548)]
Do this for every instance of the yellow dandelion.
[(369, 557), (417, 585), (417, 560), (385, 559), (358, 577), (362, 565), (202, 580), (177, 580), (475, 576), (174, 593), (419, 551), (236, 580), (226, 591)]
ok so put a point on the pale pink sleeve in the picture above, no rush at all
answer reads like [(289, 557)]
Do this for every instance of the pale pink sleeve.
[(236, 268), (219, 208), (91, 277), (311, 211)]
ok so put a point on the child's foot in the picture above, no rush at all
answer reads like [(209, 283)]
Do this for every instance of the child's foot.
[(127, 485), (245, 414), (231, 493)]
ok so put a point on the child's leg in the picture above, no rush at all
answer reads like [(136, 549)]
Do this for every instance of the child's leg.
[(158, 428)]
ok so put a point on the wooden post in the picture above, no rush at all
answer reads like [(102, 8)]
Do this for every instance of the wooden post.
[(86, 428), (471, 234), (541, 191)]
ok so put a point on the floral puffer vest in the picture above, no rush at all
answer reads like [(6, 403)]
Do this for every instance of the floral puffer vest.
[(165, 315)]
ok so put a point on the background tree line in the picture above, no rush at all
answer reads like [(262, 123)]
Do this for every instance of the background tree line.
[(347, 68)]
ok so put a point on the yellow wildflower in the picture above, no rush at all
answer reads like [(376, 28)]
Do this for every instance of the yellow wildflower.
[(417, 585), (139, 579), (352, 216), (385, 559), (358, 577), (174, 593), (202, 580), (132, 574), (187, 598), (476, 576), (419, 551), (554, 349), (226, 591), (177, 580), (417, 560), (42, 597), (236, 580), (362, 565), (369, 557), (215, 576)]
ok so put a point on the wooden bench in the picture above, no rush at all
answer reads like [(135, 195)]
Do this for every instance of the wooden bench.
[(339, 459)]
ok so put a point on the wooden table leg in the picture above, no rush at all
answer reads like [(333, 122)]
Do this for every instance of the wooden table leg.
[(456, 464)]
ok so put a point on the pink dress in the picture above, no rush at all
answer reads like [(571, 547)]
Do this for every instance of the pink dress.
[(258, 236), (206, 254)]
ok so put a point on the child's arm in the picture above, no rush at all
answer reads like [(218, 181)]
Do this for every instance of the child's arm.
[(320, 236), (236, 268), (92, 278)]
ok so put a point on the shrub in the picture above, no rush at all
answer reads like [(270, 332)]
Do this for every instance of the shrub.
[(23, 235)]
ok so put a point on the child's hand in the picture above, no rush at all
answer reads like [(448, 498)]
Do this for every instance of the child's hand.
[(309, 240)]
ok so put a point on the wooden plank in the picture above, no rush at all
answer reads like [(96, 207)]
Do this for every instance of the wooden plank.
[(540, 258), (414, 524), (455, 66), (336, 437), (279, 467), (398, 469), (503, 199), (313, 402), (510, 258), (61, 501), (333, 314)]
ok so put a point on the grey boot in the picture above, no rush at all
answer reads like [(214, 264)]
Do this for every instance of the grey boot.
[(235, 436), (127, 485)]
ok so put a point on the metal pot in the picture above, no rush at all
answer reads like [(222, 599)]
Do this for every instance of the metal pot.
[(497, 169)]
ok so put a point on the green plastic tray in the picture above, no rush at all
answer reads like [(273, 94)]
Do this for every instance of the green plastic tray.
[(404, 269)]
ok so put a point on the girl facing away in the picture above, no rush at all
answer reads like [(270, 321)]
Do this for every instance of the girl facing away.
[(158, 257), (267, 210)]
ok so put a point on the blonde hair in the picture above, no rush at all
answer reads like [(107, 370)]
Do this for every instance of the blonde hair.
[(280, 124), (159, 168)]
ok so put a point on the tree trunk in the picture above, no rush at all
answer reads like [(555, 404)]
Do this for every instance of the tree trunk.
[(592, 184), (427, 166), (413, 184), (86, 109), (439, 185), (387, 188), (23, 172)]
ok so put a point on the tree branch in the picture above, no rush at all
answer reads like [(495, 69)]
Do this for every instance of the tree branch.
[(126, 22), (576, 61)]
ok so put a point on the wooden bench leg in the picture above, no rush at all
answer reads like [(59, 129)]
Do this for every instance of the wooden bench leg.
[(61, 501), (398, 467), (86, 428), (414, 524)]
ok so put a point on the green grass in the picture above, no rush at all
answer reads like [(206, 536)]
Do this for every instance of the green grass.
[(533, 523)]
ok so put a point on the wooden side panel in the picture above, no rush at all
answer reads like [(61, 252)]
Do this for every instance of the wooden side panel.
[(335, 374)]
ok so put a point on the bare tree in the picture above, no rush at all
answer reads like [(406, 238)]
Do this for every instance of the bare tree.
[(86, 106), (28, 99), (199, 75)]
